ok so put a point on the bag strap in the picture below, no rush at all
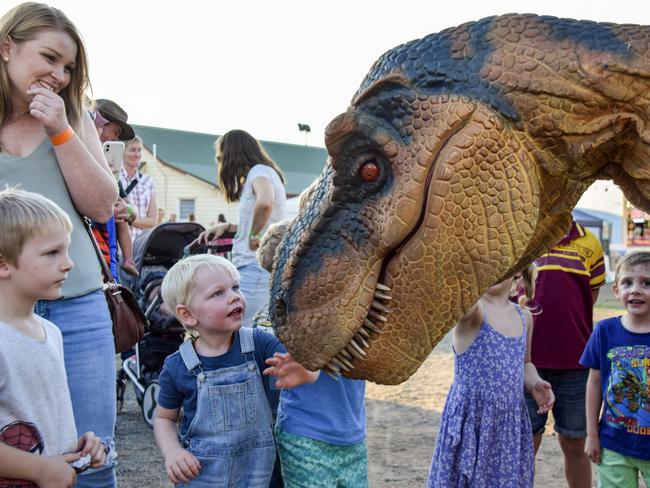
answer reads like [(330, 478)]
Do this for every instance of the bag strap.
[(132, 185), (121, 189), (108, 276)]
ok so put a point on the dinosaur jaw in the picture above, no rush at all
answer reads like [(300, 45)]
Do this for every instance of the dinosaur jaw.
[(357, 348)]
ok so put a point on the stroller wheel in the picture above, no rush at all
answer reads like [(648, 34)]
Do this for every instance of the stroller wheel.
[(149, 402)]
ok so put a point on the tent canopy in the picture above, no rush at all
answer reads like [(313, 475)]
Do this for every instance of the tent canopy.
[(586, 219)]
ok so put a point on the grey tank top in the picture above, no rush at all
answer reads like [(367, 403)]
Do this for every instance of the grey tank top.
[(39, 172)]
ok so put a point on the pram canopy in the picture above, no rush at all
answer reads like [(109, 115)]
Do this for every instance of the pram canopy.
[(163, 245)]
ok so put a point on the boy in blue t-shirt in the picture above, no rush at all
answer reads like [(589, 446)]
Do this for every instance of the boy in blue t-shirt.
[(321, 434), (226, 436), (618, 355)]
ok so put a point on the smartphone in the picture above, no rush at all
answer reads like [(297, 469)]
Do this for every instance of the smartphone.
[(114, 152), (82, 464)]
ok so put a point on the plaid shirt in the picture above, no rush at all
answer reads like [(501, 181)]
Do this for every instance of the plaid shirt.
[(140, 196)]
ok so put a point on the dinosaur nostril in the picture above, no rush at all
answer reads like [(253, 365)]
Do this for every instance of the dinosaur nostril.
[(279, 316)]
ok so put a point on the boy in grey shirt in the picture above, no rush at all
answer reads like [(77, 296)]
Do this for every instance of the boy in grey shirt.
[(38, 439)]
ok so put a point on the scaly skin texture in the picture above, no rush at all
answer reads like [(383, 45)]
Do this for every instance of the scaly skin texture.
[(484, 137)]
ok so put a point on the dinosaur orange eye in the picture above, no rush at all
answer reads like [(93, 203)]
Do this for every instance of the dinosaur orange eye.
[(369, 171)]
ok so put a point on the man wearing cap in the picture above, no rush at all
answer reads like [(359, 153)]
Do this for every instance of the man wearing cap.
[(114, 127), (117, 128)]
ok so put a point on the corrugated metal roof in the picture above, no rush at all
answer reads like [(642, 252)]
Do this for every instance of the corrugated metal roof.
[(193, 153)]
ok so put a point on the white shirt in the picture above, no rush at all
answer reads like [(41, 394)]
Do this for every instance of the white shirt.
[(241, 252)]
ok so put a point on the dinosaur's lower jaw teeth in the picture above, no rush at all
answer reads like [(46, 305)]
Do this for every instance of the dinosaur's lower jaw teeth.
[(357, 352), (381, 287), (347, 365), (382, 296), (368, 325), (331, 371), (376, 315), (357, 348)]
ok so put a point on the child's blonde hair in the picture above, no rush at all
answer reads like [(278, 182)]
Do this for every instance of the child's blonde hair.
[(526, 284), (631, 260), (178, 287), (22, 216)]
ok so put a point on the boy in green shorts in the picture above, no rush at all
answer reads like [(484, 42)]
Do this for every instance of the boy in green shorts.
[(618, 355)]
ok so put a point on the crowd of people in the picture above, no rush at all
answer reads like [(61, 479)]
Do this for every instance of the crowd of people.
[(524, 349)]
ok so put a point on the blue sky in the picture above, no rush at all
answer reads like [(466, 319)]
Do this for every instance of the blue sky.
[(264, 66)]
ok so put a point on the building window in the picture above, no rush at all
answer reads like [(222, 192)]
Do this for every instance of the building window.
[(186, 208)]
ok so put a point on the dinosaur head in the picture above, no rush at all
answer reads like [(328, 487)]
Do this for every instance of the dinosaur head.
[(457, 162)]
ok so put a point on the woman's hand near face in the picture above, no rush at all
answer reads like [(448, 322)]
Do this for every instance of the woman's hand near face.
[(49, 108)]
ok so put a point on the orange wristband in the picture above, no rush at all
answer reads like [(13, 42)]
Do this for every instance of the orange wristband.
[(62, 137)]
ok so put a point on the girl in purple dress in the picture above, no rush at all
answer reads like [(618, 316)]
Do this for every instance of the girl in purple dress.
[(485, 438)]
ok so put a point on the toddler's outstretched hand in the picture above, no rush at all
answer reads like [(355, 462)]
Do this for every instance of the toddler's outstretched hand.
[(181, 466), (544, 396), (290, 373)]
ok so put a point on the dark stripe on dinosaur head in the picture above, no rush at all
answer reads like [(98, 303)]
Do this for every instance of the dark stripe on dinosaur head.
[(450, 62), (592, 35), (435, 66), (393, 107)]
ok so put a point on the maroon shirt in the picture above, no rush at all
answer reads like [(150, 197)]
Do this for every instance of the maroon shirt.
[(563, 306)]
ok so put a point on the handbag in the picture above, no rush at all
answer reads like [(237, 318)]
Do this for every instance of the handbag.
[(129, 321)]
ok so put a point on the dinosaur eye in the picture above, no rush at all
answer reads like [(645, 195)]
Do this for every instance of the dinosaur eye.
[(369, 171)]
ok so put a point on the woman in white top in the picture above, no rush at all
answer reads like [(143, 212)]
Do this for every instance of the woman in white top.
[(249, 176)]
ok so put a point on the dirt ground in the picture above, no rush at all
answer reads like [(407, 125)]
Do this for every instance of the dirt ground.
[(402, 423)]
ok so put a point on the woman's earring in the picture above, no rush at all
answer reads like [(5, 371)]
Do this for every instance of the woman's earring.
[(6, 59)]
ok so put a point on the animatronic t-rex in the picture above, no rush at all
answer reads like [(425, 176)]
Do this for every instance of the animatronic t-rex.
[(458, 160)]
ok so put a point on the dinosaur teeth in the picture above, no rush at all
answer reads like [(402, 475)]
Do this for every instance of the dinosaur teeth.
[(338, 364), (357, 347), (362, 331), (377, 315), (332, 371), (369, 325), (355, 351), (380, 307), (382, 287), (345, 353), (383, 296), (361, 341), (344, 361)]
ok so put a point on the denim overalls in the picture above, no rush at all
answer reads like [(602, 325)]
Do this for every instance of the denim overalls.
[(231, 433)]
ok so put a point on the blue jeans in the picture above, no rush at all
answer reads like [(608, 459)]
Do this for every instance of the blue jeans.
[(254, 284), (90, 366), (569, 387)]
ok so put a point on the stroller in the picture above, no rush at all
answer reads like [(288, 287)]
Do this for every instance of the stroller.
[(155, 251)]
